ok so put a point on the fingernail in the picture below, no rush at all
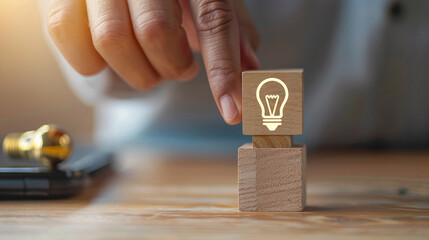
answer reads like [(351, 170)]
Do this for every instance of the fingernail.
[(191, 72), (229, 110)]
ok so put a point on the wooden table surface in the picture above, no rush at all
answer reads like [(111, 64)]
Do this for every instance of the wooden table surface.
[(350, 195)]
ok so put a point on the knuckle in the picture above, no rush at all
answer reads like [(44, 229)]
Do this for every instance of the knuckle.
[(222, 76), (213, 16), (153, 26), (58, 22), (110, 32)]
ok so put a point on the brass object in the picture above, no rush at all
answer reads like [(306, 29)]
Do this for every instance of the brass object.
[(48, 145)]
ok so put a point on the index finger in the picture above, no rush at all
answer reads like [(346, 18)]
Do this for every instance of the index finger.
[(219, 41)]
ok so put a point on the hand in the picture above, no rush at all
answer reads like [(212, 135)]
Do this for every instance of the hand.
[(148, 41)]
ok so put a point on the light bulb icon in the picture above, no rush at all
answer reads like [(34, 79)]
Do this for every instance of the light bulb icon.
[(272, 95)]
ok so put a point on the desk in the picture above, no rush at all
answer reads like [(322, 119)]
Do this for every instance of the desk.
[(351, 195)]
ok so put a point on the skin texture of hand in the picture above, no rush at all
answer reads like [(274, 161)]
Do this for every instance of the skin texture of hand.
[(148, 41)]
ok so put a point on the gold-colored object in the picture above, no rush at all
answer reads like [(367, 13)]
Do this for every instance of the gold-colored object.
[(48, 145)]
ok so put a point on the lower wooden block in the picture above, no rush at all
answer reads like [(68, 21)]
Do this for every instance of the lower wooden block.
[(271, 179)]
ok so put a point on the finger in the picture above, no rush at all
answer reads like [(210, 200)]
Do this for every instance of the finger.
[(114, 39), (249, 37), (218, 34), (157, 26), (67, 24), (188, 25)]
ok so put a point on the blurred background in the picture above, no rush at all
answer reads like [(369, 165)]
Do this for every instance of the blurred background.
[(365, 78), (33, 90)]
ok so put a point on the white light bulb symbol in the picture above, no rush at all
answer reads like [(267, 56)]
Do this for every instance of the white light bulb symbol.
[(273, 117)]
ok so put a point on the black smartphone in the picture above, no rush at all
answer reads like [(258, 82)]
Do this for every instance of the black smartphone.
[(31, 179)]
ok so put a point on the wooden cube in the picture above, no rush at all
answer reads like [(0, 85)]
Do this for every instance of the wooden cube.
[(271, 179), (273, 102)]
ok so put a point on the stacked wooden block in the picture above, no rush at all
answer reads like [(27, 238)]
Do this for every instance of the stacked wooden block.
[(271, 171)]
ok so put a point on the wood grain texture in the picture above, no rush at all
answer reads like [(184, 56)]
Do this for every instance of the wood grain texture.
[(271, 179), (272, 141), (253, 120), (351, 195)]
